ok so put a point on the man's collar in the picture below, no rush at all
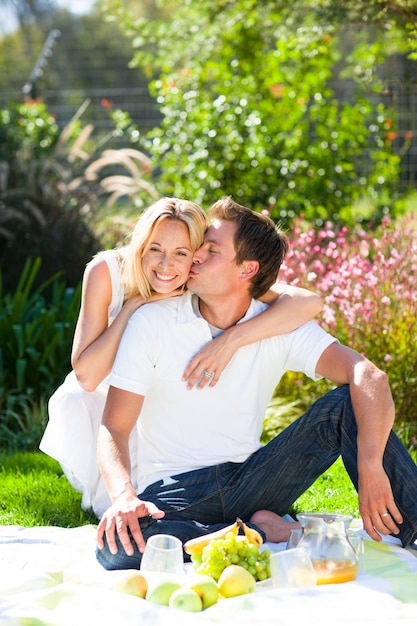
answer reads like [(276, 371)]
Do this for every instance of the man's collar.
[(186, 313)]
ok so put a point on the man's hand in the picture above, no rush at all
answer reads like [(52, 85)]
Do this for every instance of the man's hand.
[(379, 512), (124, 515)]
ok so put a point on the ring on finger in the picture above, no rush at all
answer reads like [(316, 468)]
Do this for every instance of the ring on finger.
[(384, 514), (208, 374)]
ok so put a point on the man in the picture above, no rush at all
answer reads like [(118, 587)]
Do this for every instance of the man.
[(201, 462)]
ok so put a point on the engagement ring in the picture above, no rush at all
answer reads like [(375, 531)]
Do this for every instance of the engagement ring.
[(208, 374)]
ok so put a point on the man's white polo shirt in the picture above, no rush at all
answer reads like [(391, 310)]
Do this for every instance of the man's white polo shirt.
[(181, 429)]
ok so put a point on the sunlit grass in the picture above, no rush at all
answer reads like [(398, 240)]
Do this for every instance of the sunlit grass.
[(333, 492), (34, 492)]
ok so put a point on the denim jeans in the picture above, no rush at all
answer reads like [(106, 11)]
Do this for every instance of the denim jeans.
[(201, 501)]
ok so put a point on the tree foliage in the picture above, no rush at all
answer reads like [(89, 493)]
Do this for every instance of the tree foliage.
[(87, 53), (249, 104), (53, 185)]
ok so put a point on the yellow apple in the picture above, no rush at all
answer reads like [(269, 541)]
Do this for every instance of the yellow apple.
[(206, 587), (235, 581), (132, 582), (161, 591), (186, 599)]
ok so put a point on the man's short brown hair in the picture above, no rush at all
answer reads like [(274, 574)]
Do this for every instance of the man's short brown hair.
[(257, 238)]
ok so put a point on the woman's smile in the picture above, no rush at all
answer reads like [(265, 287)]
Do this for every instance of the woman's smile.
[(167, 257), (165, 277)]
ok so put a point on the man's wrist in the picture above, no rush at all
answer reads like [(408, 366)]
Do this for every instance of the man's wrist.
[(127, 492)]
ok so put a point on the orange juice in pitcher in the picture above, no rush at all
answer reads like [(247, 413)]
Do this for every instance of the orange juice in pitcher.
[(332, 571), (325, 539)]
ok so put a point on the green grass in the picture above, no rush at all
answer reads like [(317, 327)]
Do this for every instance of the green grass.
[(34, 492), (333, 492)]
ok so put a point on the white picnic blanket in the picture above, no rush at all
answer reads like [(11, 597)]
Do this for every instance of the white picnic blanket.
[(49, 576)]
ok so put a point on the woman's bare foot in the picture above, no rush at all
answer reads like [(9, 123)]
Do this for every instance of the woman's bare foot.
[(275, 528)]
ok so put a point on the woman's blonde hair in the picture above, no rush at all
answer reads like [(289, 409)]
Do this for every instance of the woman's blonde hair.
[(193, 216)]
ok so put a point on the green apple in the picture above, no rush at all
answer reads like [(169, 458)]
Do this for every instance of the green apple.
[(206, 587), (132, 582), (186, 599), (235, 581), (161, 591)]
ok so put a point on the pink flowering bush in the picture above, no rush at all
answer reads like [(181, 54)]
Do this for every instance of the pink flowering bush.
[(368, 284)]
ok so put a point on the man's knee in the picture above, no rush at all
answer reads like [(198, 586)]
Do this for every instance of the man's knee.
[(118, 561), (338, 397)]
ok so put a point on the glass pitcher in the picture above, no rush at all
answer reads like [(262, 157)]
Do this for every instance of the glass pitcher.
[(326, 540)]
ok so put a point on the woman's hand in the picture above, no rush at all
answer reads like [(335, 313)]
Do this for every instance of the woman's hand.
[(288, 308), (163, 296), (136, 302), (211, 359)]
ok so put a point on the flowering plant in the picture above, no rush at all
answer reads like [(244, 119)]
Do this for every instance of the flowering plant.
[(367, 282)]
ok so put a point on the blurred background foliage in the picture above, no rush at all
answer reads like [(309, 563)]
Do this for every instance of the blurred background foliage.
[(292, 108), (250, 106), (54, 188)]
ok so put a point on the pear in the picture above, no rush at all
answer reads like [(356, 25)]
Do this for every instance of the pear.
[(206, 587), (132, 582), (186, 599), (235, 581), (161, 591)]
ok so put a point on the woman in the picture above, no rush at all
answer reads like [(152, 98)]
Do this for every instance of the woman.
[(154, 265)]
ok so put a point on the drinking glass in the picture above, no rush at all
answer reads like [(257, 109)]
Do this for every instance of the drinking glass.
[(292, 568), (163, 554)]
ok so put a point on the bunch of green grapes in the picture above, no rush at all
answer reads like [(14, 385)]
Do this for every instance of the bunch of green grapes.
[(232, 549)]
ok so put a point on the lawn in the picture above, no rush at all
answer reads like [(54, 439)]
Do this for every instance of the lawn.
[(34, 492)]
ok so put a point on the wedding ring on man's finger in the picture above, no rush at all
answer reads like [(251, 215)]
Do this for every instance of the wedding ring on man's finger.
[(208, 374), (384, 514)]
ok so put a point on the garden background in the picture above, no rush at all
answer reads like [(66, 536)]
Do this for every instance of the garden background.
[(295, 109)]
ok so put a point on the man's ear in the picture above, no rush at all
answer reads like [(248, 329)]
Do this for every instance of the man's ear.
[(249, 269)]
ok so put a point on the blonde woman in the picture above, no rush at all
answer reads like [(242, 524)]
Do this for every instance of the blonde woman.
[(154, 265)]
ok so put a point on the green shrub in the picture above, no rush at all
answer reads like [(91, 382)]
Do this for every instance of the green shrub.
[(22, 422), (53, 184), (250, 109), (35, 338), (44, 211)]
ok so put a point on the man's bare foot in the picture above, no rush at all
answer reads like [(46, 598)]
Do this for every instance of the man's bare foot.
[(275, 528)]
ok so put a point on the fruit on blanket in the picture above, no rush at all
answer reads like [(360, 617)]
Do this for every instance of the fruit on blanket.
[(235, 581), (132, 582), (186, 599), (207, 589), (236, 550), (252, 535), (161, 591), (195, 546)]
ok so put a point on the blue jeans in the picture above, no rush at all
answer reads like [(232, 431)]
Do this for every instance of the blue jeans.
[(273, 477)]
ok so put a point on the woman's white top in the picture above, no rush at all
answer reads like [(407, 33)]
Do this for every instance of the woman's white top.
[(75, 416)]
